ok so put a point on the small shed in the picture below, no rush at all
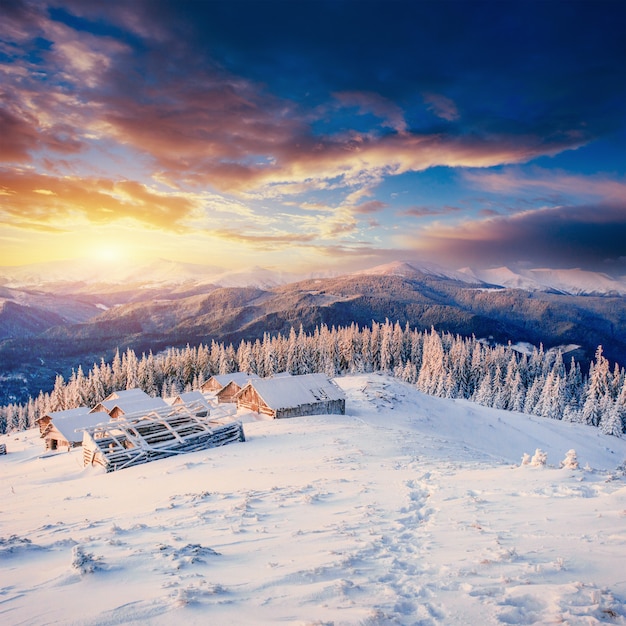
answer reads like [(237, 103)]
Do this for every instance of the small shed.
[(292, 396), (193, 397), (148, 436), (217, 382), (58, 428), (128, 401)]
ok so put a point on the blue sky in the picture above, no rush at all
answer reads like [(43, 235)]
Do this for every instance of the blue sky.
[(312, 135)]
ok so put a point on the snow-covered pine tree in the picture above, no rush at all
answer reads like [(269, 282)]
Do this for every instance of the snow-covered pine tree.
[(597, 390)]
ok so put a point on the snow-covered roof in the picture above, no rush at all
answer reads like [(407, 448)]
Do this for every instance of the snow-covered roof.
[(66, 422), (290, 391), (140, 404), (127, 395), (239, 378), (130, 401), (190, 396)]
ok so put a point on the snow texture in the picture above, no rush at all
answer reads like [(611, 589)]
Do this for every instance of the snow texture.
[(408, 510)]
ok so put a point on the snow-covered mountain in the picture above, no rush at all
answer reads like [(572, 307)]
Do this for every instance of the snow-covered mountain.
[(63, 275), (407, 510), (161, 272), (567, 281), (410, 269)]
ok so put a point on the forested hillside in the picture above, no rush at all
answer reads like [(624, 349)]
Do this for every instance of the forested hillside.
[(439, 364), (30, 362)]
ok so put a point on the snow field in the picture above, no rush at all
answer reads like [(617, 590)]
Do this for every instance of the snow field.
[(408, 510)]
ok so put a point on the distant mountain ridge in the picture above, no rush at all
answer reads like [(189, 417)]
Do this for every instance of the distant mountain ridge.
[(88, 277), (567, 281)]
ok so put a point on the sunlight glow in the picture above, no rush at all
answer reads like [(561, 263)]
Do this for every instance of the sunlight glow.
[(108, 253)]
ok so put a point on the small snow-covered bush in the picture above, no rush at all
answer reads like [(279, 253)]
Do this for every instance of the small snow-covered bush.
[(570, 461), (84, 562), (540, 458), (526, 459)]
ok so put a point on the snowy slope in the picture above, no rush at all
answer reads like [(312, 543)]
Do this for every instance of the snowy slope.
[(407, 510)]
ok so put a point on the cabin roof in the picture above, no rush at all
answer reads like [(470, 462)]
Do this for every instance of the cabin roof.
[(289, 391), (240, 378), (130, 401), (68, 412), (127, 395), (190, 396), (66, 422)]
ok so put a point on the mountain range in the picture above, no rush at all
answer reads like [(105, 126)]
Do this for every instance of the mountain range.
[(56, 317)]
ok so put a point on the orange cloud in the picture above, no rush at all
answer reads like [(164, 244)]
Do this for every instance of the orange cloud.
[(269, 242), (33, 200)]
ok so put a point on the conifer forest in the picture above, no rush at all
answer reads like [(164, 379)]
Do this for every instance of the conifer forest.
[(440, 364)]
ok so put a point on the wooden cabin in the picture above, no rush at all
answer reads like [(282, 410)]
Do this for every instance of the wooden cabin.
[(292, 396), (128, 401), (228, 392), (226, 386), (59, 428), (193, 397), (143, 437), (219, 381)]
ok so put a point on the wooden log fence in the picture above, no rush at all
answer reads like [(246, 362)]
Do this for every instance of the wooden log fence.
[(141, 438)]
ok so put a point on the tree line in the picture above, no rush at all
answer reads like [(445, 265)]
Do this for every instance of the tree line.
[(437, 363)]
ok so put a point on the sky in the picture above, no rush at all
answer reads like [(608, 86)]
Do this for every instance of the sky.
[(313, 135)]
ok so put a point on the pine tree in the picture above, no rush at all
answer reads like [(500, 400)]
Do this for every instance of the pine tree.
[(484, 393), (432, 369), (597, 390)]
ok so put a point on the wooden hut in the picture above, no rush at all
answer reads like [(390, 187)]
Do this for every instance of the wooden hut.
[(58, 428), (228, 392), (147, 436), (292, 396), (219, 381), (128, 401), (193, 397)]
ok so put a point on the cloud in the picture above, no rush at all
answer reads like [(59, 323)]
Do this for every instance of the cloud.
[(372, 206), (183, 118), (424, 211), (368, 102), (441, 106), (589, 235), (31, 200), (513, 180), (263, 241)]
